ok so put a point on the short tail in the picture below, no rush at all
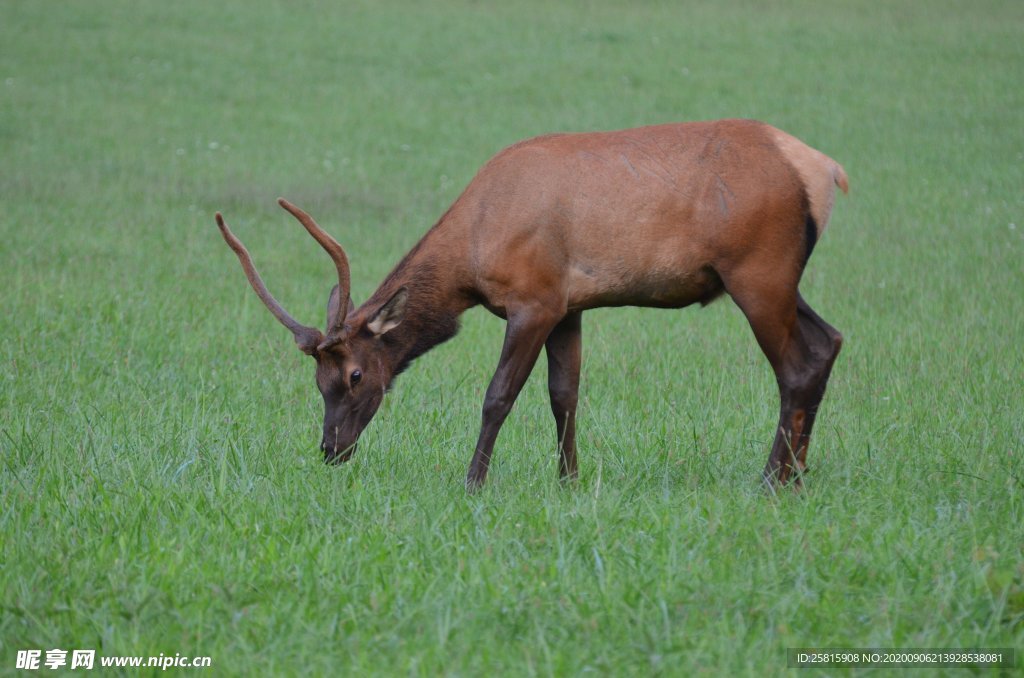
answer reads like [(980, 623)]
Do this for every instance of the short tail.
[(813, 228), (839, 176)]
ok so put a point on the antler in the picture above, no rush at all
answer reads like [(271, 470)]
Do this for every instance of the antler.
[(306, 337), (337, 254)]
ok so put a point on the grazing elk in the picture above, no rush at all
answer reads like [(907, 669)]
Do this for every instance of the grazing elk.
[(663, 216)]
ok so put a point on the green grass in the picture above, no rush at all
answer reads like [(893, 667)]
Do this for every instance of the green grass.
[(161, 489)]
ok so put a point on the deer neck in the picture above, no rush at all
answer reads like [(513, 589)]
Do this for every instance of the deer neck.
[(433, 277)]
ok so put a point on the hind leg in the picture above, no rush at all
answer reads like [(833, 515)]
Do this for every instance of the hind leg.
[(826, 342), (801, 348), (805, 369)]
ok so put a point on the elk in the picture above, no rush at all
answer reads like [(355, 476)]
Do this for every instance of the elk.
[(661, 216)]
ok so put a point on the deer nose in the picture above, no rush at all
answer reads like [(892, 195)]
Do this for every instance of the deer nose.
[(336, 455)]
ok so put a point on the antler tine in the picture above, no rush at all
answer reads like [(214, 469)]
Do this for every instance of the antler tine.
[(337, 254), (303, 335)]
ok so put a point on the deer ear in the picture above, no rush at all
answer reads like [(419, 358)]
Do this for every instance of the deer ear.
[(308, 340), (334, 305), (390, 315)]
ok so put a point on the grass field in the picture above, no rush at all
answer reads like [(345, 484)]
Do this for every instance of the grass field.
[(161, 488)]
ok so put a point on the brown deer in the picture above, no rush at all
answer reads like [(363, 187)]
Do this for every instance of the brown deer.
[(661, 216)]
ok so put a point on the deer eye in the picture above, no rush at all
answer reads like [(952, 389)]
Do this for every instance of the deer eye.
[(355, 377)]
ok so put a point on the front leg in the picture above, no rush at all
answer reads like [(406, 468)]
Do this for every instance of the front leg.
[(524, 335), (564, 348)]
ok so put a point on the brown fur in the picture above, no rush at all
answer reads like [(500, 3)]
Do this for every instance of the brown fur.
[(664, 216)]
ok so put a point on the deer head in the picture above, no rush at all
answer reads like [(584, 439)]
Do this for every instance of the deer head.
[(352, 369)]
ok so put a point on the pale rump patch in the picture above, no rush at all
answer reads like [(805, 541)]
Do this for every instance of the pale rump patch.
[(820, 174)]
